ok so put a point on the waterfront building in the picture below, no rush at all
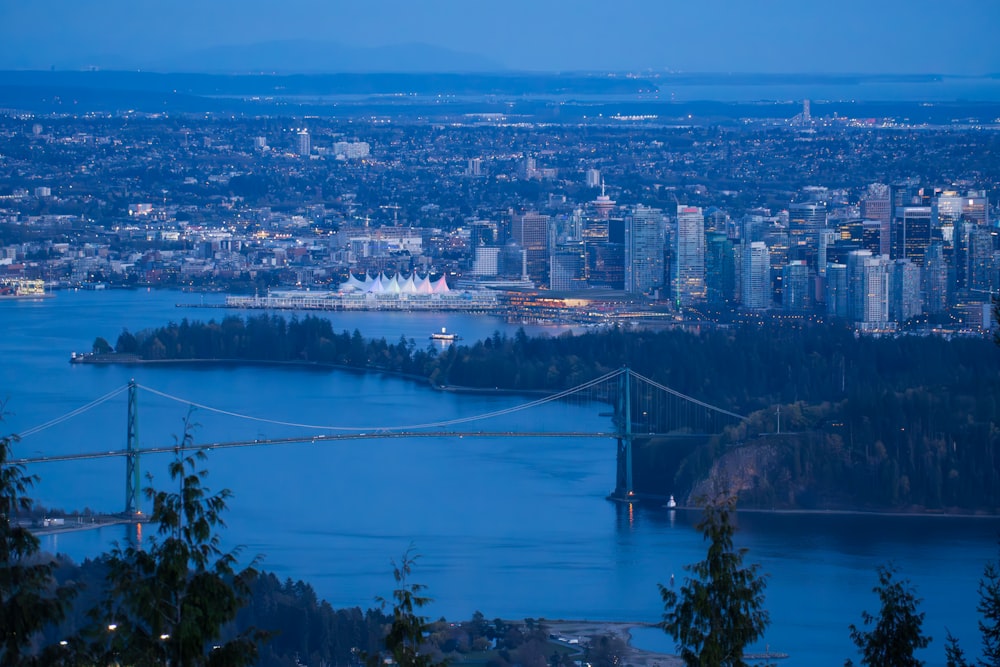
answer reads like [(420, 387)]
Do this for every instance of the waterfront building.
[(756, 278), (568, 267), (606, 265), (644, 250), (486, 261), (688, 285), (530, 231)]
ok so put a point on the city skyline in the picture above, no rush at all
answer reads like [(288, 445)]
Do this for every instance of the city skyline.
[(718, 36)]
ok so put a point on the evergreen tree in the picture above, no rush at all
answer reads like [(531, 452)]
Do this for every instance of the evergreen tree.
[(29, 597), (954, 655), (170, 603), (720, 609), (406, 631), (989, 609), (897, 633)]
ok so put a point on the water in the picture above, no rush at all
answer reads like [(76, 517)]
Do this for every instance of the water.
[(513, 528)]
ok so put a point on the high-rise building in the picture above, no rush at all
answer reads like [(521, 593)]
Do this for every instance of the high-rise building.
[(304, 145), (756, 278), (720, 270), (910, 233), (980, 266), (837, 298), (568, 267), (530, 231), (904, 291), (644, 250), (934, 279), (795, 292), (606, 265), (688, 283), (486, 261), (876, 204), (593, 177)]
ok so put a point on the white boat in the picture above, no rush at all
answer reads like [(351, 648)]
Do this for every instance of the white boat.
[(444, 335), (671, 504)]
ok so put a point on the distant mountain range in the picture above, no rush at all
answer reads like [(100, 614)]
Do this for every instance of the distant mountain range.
[(276, 57)]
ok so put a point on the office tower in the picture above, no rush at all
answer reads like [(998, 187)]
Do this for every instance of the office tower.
[(827, 238), (689, 256), (795, 293), (756, 278), (593, 177), (644, 250), (304, 145), (486, 261), (868, 288), (606, 265), (856, 284), (837, 297), (474, 167), (568, 267), (720, 270), (260, 143), (876, 204), (934, 279), (980, 266), (905, 300), (805, 220), (530, 231), (910, 233), (513, 262)]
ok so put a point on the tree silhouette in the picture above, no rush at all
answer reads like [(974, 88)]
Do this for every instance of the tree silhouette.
[(29, 598), (720, 609), (406, 631), (897, 632), (171, 602)]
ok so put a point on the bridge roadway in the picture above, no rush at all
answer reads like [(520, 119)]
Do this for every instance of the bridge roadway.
[(374, 435)]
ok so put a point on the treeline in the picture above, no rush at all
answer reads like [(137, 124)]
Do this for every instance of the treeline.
[(892, 422)]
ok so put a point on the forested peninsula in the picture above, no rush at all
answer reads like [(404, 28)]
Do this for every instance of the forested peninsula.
[(903, 423)]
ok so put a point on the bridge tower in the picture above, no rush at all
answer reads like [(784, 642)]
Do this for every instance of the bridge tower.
[(132, 481), (623, 413)]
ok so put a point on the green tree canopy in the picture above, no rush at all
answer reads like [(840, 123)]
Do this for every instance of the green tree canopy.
[(720, 608), (174, 599), (29, 597), (897, 631)]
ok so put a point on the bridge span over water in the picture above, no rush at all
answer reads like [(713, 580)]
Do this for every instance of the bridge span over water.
[(638, 408)]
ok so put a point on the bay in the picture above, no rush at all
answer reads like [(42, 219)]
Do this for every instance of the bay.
[(513, 527)]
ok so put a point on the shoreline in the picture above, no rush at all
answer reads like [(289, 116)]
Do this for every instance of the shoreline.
[(637, 657)]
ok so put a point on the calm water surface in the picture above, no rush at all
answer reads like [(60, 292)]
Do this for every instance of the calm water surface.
[(514, 528)]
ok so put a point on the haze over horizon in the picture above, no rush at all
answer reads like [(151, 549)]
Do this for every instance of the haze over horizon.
[(234, 36)]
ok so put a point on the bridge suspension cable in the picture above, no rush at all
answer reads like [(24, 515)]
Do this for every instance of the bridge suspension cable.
[(404, 427), (678, 394), (72, 413)]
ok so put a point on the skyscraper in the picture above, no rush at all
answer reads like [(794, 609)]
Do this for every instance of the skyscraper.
[(904, 291), (304, 145), (756, 279), (795, 286), (644, 250), (689, 256), (530, 231), (720, 270)]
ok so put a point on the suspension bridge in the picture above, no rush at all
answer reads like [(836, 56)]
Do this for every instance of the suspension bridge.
[(641, 408)]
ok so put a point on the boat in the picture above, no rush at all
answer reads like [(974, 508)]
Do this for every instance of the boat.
[(444, 335), (671, 504), (23, 288)]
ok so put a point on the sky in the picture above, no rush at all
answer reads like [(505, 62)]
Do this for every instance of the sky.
[(781, 36)]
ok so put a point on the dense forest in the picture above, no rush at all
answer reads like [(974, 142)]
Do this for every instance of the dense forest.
[(902, 422)]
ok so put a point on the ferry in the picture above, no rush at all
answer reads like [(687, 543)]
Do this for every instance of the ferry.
[(23, 288), (445, 336)]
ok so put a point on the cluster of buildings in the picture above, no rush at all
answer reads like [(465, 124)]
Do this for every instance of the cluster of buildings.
[(685, 223)]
